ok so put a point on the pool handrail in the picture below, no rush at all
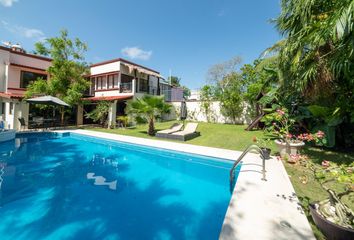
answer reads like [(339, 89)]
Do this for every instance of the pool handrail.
[(248, 149)]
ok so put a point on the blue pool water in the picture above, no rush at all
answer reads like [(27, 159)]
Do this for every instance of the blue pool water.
[(69, 186)]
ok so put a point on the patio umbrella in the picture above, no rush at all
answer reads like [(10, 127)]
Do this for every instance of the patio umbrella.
[(48, 100), (183, 110)]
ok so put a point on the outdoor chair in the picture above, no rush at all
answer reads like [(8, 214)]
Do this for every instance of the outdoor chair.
[(174, 128), (22, 123), (189, 132)]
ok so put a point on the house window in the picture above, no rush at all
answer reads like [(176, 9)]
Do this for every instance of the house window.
[(28, 78), (99, 83), (115, 80), (110, 81), (103, 82), (143, 85)]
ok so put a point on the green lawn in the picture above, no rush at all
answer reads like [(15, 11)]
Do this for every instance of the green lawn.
[(213, 135), (234, 137)]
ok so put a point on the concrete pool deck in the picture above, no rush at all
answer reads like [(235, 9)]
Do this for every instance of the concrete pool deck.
[(258, 209)]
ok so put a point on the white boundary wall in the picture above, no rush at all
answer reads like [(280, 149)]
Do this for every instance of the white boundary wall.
[(196, 113)]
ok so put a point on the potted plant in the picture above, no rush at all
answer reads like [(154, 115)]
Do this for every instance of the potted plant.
[(262, 144), (331, 215), (280, 125)]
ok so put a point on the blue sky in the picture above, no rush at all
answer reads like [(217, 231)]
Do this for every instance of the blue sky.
[(185, 36)]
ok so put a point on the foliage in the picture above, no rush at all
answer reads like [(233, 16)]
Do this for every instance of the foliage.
[(226, 87), (207, 95), (174, 80), (148, 107), (316, 57), (231, 98), (123, 120), (66, 72), (281, 124), (100, 113), (219, 73), (261, 142)]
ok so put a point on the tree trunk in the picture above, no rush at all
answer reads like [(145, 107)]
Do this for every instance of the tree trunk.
[(151, 130)]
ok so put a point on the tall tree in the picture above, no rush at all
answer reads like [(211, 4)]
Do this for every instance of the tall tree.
[(67, 70), (219, 74), (148, 107)]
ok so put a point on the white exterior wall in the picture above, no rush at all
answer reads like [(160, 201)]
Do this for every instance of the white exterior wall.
[(106, 68), (10, 77), (29, 61), (195, 113), (4, 60)]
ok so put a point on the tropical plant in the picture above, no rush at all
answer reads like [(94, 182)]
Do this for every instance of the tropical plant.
[(66, 72), (123, 120), (316, 57), (100, 113), (148, 107), (281, 125)]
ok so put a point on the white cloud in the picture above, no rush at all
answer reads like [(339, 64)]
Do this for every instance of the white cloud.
[(8, 3), (136, 53), (32, 33)]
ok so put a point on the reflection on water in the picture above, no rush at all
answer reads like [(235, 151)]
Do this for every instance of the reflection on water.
[(54, 187)]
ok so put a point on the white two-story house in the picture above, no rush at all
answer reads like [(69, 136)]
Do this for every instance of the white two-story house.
[(17, 70), (119, 80)]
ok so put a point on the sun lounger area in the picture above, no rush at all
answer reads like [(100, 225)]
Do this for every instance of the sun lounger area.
[(175, 132)]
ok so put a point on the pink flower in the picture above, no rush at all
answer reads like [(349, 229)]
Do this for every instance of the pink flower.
[(325, 163), (274, 124), (320, 134), (289, 135)]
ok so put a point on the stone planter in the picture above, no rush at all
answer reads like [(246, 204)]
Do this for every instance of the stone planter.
[(290, 148), (330, 229)]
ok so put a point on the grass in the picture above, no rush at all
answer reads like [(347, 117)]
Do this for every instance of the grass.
[(213, 135), (234, 137)]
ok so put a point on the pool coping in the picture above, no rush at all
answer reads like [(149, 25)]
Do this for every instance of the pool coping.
[(258, 209)]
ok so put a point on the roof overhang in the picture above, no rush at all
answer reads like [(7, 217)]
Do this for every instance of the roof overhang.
[(11, 95), (108, 98)]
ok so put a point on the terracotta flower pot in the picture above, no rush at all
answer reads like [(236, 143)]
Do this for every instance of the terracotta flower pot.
[(288, 148), (330, 229)]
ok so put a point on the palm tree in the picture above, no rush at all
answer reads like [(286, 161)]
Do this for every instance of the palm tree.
[(148, 107), (318, 50)]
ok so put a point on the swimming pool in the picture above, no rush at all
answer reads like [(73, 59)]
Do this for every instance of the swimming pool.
[(70, 186)]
